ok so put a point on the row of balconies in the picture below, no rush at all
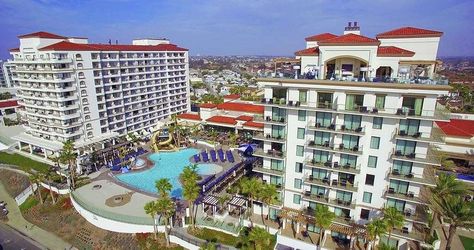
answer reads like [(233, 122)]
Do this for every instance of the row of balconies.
[(115, 56)]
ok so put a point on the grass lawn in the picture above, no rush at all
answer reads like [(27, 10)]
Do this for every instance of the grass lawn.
[(23, 162), (468, 243), (215, 236), (30, 202)]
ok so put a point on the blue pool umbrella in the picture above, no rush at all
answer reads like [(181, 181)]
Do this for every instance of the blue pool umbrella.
[(247, 149)]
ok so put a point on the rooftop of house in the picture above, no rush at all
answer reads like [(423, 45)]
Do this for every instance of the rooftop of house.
[(457, 127)]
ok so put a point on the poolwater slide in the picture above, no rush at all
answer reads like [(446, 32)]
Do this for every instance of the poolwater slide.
[(155, 144)]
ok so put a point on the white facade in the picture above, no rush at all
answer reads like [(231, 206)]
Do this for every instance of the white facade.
[(73, 90), (318, 150)]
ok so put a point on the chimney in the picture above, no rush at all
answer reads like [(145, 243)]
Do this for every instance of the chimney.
[(352, 29), (116, 42)]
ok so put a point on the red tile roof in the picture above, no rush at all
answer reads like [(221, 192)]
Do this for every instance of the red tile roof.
[(314, 51), (65, 46), (254, 124), (457, 127), (15, 50), (222, 119), (232, 96), (350, 39), (42, 34), (387, 51), (8, 104), (243, 107), (207, 105), (320, 37), (244, 118), (189, 116), (408, 32)]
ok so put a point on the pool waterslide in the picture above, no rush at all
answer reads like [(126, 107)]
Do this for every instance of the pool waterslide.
[(155, 144)]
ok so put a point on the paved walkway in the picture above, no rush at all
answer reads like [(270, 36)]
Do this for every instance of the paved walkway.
[(16, 220)]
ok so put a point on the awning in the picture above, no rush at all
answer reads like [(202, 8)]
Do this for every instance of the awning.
[(417, 62), (210, 200), (293, 214), (38, 142), (96, 139), (237, 201)]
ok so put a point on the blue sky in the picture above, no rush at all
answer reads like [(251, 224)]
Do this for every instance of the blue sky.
[(234, 27)]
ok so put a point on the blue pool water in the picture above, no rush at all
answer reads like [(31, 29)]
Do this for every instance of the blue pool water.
[(167, 165)]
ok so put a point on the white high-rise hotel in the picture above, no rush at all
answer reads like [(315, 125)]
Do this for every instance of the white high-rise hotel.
[(74, 90), (360, 140)]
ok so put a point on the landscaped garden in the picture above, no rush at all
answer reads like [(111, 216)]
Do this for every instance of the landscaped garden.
[(23, 162), (467, 242), (14, 182), (256, 238)]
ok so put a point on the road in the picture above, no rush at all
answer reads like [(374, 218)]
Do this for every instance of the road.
[(11, 239)]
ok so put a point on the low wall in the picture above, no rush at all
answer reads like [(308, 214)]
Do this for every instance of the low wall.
[(296, 244), (21, 198), (55, 189)]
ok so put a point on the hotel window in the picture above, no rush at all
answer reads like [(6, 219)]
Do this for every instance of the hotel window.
[(400, 187), (377, 123), (325, 100), (319, 173), (278, 131), (350, 141), (300, 133), (380, 102), (298, 183), (276, 180), (348, 160), (353, 102), (299, 150), (320, 138), (406, 147), (398, 204), (317, 190), (374, 142), (276, 165), (369, 179), (352, 122), (296, 198), (303, 96), (402, 167), (412, 105), (313, 228), (367, 197), (409, 127), (302, 115), (372, 162), (320, 156), (323, 119), (299, 167), (364, 214), (344, 196)]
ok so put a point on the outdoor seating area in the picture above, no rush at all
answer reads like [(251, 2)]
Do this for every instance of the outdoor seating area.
[(116, 161), (204, 156)]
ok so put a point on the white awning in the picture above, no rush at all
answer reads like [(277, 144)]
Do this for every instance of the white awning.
[(237, 201), (96, 139), (38, 142), (210, 200)]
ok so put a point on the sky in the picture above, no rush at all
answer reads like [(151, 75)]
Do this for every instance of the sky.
[(234, 27)]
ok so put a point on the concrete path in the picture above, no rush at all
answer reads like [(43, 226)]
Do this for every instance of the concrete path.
[(16, 220), (11, 239)]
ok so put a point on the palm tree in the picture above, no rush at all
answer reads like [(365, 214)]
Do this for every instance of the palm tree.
[(458, 211), (267, 195), (177, 129), (163, 186), (68, 156), (208, 246), (394, 219), (250, 187), (260, 237), (376, 228), (51, 193), (191, 189), (165, 207), (323, 218), (150, 209), (446, 185), (36, 179), (221, 200)]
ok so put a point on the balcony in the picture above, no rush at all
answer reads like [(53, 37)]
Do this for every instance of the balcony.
[(263, 170), (324, 182), (268, 137), (345, 168), (427, 178), (270, 120), (409, 196), (271, 153), (418, 232), (436, 136), (428, 159)]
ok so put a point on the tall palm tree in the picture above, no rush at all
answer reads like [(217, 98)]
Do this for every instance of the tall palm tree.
[(394, 219), (150, 209), (176, 129), (267, 195), (250, 187), (68, 156), (165, 207), (260, 237), (376, 228), (458, 211), (36, 179), (191, 189), (446, 185), (323, 218), (163, 186), (51, 193)]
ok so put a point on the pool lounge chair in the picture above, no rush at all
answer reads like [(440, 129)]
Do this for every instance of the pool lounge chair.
[(205, 157), (213, 155), (230, 156), (197, 158), (116, 161), (220, 152), (116, 168)]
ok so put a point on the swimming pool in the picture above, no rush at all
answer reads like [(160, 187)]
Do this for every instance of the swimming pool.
[(167, 165)]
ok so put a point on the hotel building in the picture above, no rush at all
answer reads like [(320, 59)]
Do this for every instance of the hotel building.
[(359, 141), (74, 90)]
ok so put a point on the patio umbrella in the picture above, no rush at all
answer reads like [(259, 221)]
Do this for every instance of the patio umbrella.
[(247, 149)]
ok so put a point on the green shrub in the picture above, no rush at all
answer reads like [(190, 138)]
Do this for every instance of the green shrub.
[(30, 202)]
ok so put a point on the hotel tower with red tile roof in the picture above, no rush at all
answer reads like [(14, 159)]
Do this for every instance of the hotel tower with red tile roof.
[(355, 145), (75, 90)]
